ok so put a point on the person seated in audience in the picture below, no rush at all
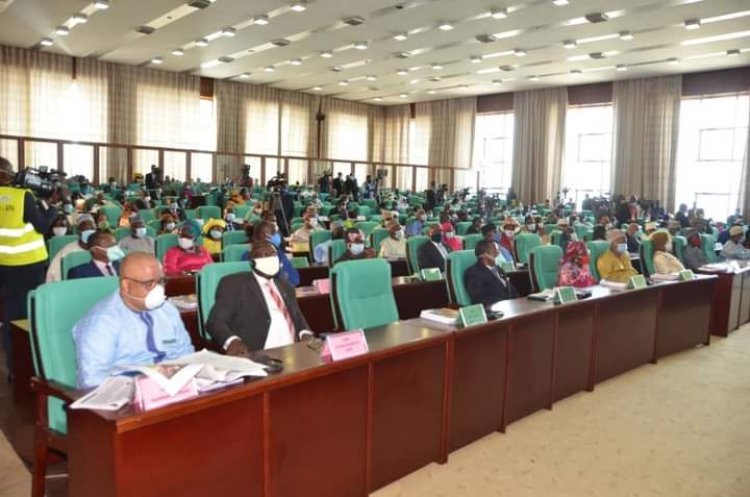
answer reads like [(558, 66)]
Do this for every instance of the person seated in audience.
[(86, 228), (127, 212), (134, 325), (733, 249), (723, 236), (682, 216), (567, 234), (173, 208), (693, 254), (393, 247), (600, 233), (614, 264), (60, 226), (476, 226), (187, 256), (542, 233), (355, 247), (168, 224), (232, 222), (320, 251), (574, 266), (70, 212), (257, 310), (434, 253), (138, 240), (485, 282), (102, 223), (268, 232), (664, 261), (105, 257), (416, 225), (449, 237), (489, 232), (505, 239), (648, 229), (213, 230), (632, 238), (301, 237)]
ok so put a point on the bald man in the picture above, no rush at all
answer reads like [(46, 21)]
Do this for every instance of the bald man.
[(134, 325)]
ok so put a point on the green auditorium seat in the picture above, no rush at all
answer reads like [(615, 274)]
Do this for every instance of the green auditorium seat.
[(163, 243), (707, 246), (470, 241), (646, 252), (55, 243), (596, 249), (544, 265), (233, 238), (377, 236), (679, 242), (462, 227), (234, 253), (74, 259), (363, 306), (458, 263), (524, 243), (412, 249), (206, 282), (207, 212), (336, 250)]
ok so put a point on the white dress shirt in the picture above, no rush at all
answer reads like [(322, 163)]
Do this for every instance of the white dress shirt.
[(102, 267)]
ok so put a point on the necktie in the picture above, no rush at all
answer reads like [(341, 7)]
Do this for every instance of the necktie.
[(150, 342), (280, 304), (109, 270)]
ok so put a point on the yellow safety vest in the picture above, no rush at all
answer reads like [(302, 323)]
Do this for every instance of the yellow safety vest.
[(20, 244)]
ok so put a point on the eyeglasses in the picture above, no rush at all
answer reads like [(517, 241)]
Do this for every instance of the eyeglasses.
[(147, 284)]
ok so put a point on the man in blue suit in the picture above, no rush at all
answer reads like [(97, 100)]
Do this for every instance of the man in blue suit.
[(105, 257)]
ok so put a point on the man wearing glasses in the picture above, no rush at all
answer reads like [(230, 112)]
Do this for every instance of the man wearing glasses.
[(134, 325)]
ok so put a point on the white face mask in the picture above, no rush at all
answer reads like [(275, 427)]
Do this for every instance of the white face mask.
[(314, 223), (509, 233), (668, 247), (59, 230), (185, 243), (399, 235), (449, 234), (267, 266), (230, 217), (155, 298), (357, 248), (215, 234), (140, 232), (169, 226), (622, 248), (147, 199)]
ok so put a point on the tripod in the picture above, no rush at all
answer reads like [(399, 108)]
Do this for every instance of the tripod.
[(276, 206)]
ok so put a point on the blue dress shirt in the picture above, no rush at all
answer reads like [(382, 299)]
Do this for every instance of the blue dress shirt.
[(113, 335), (414, 228)]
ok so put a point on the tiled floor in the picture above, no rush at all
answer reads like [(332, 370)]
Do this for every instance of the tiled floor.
[(677, 429)]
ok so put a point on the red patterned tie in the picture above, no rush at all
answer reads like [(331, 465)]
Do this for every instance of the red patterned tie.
[(282, 307)]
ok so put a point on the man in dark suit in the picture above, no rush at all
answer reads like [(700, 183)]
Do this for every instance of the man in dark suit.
[(431, 197), (434, 253), (256, 310), (153, 182), (105, 257), (485, 282), (338, 186)]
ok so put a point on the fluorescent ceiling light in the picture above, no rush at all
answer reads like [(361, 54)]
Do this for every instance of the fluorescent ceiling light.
[(371, 78), (621, 67), (437, 67), (202, 42), (80, 18), (361, 45), (228, 32), (402, 72), (435, 79), (499, 13), (296, 62), (519, 52), (157, 60), (299, 6), (464, 87), (560, 3), (404, 95), (626, 35), (261, 20), (431, 92), (476, 59), (570, 43), (726, 17), (101, 4), (378, 99), (226, 60), (533, 78), (445, 26), (317, 88), (712, 39), (178, 52), (326, 54), (269, 69), (692, 24), (46, 42), (343, 83), (62, 30), (733, 53), (400, 36), (244, 75)]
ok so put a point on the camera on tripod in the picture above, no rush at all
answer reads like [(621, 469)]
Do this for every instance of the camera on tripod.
[(42, 181), (277, 183)]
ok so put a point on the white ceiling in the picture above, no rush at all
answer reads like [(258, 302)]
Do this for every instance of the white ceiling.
[(539, 27)]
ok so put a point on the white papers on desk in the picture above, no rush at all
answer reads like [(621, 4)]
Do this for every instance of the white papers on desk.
[(614, 285), (221, 368), (716, 267), (543, 296), (665, 277), (114, 393), (185, 302)]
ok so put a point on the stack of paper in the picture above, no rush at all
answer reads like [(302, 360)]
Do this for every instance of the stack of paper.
[(444, 315), (185, 302), (543, 296), (665, 277), (613, 285)]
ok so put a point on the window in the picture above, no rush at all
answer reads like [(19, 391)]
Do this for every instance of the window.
[(712, 146), (347, 136), (587, 163), (493, 151), (201, 165)]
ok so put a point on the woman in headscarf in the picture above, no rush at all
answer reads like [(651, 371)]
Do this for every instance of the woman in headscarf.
[(187, 256), (574, 266), (213, 231), (664, 261), (450, 238)]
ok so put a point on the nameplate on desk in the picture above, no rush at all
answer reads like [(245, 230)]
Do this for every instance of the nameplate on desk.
[(686, 275), (322, 286), (431, 274), (507, 266), (637, 282), (565, 294), (345, 345), (472, 315)]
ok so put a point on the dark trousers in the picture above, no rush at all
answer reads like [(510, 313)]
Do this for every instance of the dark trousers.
[(15, 284)]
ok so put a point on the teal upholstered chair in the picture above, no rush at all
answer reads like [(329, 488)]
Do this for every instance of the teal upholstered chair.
[(524, 244), (550, 227), (596, 249), (367, 227), (191, 213), (555, 238), (233, 238), (54, 309), (318, 237), (363, 306), (377, 236), (336, 250), (74, 259), (113, 213), (581, 229), (207, 212), (147, 215), (163, 243), (206, 282), (458, 263), (646, 252), (588, 235), (462, 227), (679, 242), (241, 210), (544, 264), (707, 246), (234, 253), (412, 249), (470, 241), (55, 243)]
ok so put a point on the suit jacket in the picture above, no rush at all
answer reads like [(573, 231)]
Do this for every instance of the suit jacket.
[(241, 310), (485, 287), (89, 270), (429, 256)]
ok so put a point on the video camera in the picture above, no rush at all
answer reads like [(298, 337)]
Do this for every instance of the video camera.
[(42, 181), (276, 183)]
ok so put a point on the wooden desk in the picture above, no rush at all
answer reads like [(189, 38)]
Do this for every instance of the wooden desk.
[(731, 300), (341, 429), (23, 366), (320, 272)]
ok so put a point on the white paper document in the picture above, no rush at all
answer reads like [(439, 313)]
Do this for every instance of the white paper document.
[(113, 394)]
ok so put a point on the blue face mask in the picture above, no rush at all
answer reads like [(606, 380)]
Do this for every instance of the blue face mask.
[(85, 234), (275, 240), (115, 253), (68, 208)]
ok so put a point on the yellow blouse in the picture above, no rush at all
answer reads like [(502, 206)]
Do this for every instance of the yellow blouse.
[(666, 263), (613, 267)]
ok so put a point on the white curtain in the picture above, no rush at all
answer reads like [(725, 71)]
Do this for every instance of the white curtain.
[(647, 122), (538, 143), (743, 202), (347, 130)]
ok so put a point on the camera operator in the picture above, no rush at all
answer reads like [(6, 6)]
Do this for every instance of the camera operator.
[(23, 252)]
